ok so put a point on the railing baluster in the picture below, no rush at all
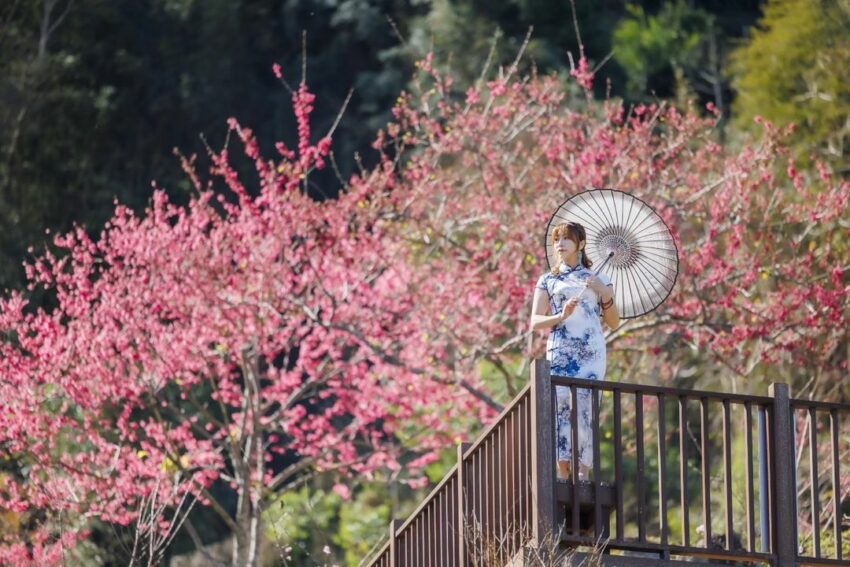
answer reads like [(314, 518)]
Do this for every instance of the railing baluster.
[(494, 487), (422, 544), (597, 467), (557, 509), (410, 545), (485, 496), (836, 482), (765, 481), (432, 535), (449, 515), (813, 464), (574, 467), (443, 519), (526, 473), (706, 471), (523, 476), (442, 541), (439, 526), (662, 467), (505, 496), (403, 558), (438, 522), (475, 521), (436, 525), (640, 468), (486, 490), (505, 468), (481, 524), (429, 535), (475, 524), (683, 469), (452, 542), (751, 520), (529, 466), (437, 530), (489, 491), (516, 457), (518, 478), (451, 520), (510, 487), (415, 545), (466, 506), (462, 503), (480, 490), (453, 553), (499, 488), (727, 471), (421, 539), (618, 461)]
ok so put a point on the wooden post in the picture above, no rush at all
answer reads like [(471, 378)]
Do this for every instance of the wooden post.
[(394, 548), (542, 453), (784, 488), (461, 508)]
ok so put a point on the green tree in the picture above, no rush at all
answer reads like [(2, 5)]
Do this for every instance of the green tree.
[(83, 122), (657, 50), (793, 69)]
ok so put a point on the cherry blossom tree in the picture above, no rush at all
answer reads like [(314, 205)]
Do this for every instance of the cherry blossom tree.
[(246, 340)]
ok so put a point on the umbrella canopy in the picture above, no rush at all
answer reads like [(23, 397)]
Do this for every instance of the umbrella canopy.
[(628, 242)]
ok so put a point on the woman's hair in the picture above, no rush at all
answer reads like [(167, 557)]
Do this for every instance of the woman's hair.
[(575, 232)]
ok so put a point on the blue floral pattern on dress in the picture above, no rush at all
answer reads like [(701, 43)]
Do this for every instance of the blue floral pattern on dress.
[(575, 349)]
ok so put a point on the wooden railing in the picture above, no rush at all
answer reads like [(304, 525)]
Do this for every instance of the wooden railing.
[(683, 473), (818, 429), (482, 507)]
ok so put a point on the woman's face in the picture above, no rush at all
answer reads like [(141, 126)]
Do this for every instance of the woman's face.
[(564, 246)]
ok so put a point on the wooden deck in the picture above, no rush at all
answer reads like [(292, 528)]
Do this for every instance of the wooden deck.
[(753, 482)]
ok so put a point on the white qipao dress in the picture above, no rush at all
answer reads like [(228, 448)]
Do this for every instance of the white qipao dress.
[(575, 349)]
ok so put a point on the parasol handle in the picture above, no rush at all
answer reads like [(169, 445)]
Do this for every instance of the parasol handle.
[(610, 255)]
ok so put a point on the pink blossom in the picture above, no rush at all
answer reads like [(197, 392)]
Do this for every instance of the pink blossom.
[(342, 491), (583, 74)]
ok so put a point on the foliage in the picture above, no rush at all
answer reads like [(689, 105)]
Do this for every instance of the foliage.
[(83, 122), (651, 47), (791, 70)]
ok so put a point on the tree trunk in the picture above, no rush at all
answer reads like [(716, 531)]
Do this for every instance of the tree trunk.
[(247, 551)]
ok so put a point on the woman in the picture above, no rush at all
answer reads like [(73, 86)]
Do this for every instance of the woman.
[(573, 302)]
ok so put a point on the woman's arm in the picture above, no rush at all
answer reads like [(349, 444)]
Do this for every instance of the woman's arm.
[(539, 310), (610, 316)]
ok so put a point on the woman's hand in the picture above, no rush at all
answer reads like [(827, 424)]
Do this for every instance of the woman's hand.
[(600, 288), (569, 307)]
